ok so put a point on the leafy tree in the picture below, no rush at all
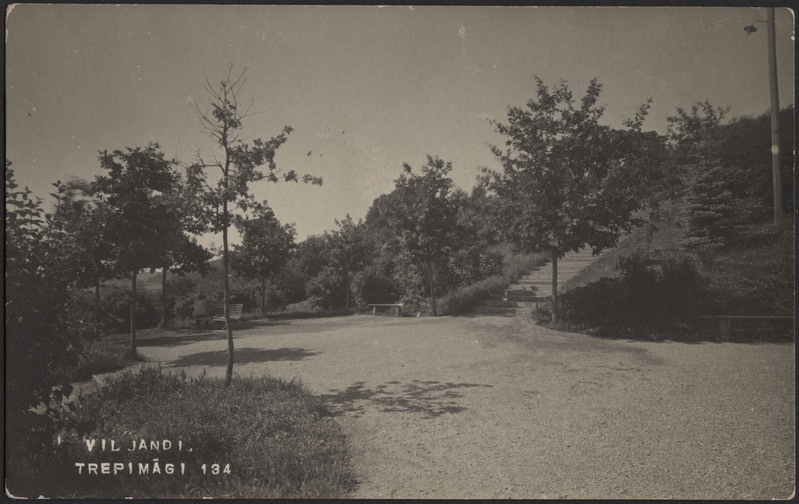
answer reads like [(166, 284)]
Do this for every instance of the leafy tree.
[(38, 273), (239, 164), (567, 180), (423, 217), (182, 255), (350, 252), (85, 218), (142, 221), (266, 246)]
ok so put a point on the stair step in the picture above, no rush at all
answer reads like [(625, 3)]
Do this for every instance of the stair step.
[(536, 286)]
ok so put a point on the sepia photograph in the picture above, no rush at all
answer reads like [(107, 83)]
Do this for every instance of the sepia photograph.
[(460, 252)]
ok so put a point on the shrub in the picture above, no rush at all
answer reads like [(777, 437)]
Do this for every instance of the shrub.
[(276, 439), (372, 286), (96, 357), (653, 294), (116, 306)]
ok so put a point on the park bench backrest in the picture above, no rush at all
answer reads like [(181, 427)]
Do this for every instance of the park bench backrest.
[(235, 311)]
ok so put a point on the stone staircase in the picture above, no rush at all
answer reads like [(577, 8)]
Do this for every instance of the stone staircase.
[(522, 296)]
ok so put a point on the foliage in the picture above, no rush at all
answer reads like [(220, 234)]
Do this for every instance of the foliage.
[(652, 295), (754, 274), (289, 285), (714, 212), (726, 170), (116, 309), (373, 285), (746, 154), (567, 180), (423, 216), (265, 247), (139, 190), (96, 356), (350, 252), (38, 275), (323, 289), (280, 443)]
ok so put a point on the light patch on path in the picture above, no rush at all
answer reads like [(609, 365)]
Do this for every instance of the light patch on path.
[(494, 407)]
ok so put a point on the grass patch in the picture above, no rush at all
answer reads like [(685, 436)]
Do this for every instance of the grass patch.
[(271, 439)]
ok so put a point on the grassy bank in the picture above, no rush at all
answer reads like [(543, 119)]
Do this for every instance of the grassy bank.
[(655, 286), (96, 356), (259, 438), (467, 298)]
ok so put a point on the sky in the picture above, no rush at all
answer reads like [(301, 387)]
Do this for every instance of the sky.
[(365, 88)]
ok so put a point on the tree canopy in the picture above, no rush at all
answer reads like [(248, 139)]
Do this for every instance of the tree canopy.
[(567, 180)]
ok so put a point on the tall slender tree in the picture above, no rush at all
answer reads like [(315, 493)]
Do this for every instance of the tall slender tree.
[(237, 165)]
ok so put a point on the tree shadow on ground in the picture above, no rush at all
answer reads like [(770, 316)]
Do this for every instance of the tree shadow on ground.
[(243, 356), (429, 398), (180, 339)]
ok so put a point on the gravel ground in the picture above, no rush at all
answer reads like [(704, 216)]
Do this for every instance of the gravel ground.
[(496, 407)]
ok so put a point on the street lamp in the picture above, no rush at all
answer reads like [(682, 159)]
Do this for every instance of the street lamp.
[(775, 111)]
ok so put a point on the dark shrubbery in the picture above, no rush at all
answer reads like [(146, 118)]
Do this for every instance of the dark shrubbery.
[(116, 307), (373, 286), (652, 295), (278, 440), (96, 356)]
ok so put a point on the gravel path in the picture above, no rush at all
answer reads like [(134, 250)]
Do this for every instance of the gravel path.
[(496, 407)]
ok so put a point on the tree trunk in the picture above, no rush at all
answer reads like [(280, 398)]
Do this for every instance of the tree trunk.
[(133, 313), (163, 297), (554, 287), (263, 297), (432, 289), (97, 305), (347, 289), (226, 283)]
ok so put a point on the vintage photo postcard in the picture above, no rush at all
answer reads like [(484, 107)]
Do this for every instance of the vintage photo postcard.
[(399, 252)]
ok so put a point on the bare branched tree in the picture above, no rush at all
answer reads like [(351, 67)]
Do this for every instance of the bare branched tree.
[(238, 164)]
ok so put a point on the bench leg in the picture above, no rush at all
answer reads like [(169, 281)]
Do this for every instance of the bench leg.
[(374, 310)]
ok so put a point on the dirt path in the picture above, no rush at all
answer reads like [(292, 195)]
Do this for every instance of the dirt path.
[(493, 407)]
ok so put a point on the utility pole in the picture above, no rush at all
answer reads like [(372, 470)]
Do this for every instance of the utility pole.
[(775, 121), (776, 173)]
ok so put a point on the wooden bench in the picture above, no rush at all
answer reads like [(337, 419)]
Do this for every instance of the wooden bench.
[(235, 313), (725, 321), (397, 307)]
